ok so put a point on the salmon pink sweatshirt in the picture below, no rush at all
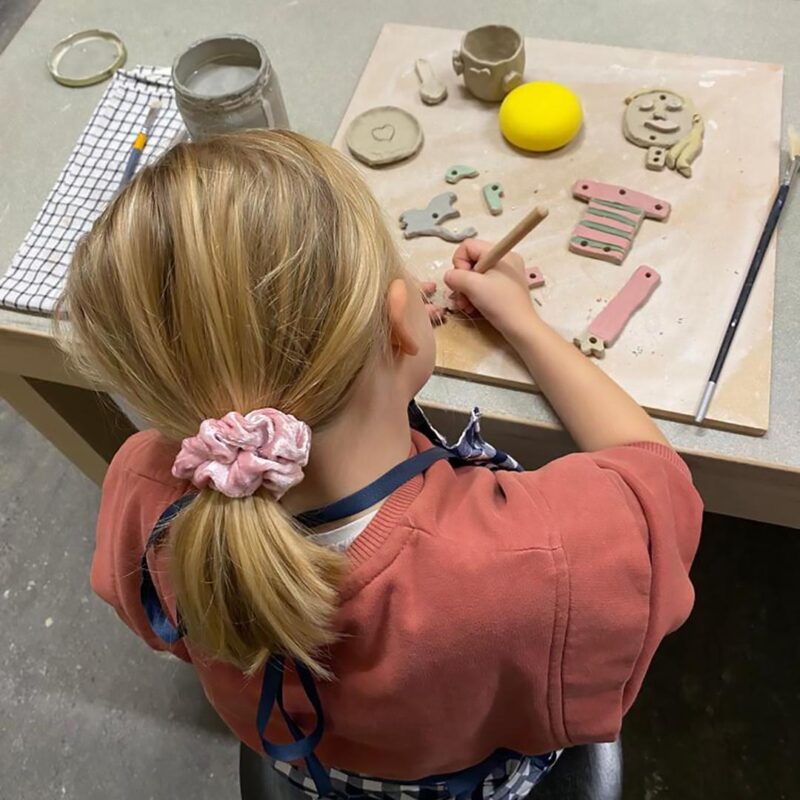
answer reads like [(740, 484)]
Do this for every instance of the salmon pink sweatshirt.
[(481, 609)]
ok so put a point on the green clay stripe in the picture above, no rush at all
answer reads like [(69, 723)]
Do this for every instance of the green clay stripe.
[(599, 212), (596, 226), (584, 242), (621, 206)]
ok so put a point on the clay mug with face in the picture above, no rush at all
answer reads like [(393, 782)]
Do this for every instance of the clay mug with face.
[(492, 60)]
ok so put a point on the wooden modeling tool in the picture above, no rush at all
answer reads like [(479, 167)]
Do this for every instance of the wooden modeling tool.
[(511, 239), (140, 142), (752, 272), (606, 327)]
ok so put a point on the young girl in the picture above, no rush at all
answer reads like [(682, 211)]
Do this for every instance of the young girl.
[(357, 598)]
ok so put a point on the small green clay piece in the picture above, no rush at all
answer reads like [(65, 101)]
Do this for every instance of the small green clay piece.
[(598, 226), (492, 193), (458, 171)]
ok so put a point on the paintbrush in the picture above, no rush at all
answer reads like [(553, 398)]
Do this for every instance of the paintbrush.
[(140, 142), (755, 265)]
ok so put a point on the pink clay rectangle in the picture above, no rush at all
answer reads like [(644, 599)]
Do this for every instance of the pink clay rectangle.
[(610, 322), (652, 206), (597, 252)]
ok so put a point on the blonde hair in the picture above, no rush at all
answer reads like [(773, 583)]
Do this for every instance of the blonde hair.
[(245, 271)]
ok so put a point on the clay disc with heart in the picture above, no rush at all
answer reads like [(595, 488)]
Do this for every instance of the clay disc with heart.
[(384, 135)]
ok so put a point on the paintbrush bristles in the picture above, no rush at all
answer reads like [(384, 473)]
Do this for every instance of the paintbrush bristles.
[(794, 143), (155, 106)]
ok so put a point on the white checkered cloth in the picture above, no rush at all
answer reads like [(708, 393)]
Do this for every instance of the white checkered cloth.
[(88, 182), (513, 780)]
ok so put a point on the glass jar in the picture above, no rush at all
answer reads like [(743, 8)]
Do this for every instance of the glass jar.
[(227, 83)]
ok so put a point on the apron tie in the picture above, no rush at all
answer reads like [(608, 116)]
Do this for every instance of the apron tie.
[(469, 450)]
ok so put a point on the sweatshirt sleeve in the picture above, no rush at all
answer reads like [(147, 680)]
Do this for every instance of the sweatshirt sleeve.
[(129, 507), (629, 522)]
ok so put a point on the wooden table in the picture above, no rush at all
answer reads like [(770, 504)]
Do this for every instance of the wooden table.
[(319, 49)]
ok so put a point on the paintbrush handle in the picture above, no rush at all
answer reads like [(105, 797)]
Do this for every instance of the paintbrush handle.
[(750, 278), (744, 295), (512, 238), (130, 167)]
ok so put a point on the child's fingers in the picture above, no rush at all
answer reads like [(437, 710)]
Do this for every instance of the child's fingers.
[(468, 253), (459, 281), (465, 306), (428, 288), (461, 304)]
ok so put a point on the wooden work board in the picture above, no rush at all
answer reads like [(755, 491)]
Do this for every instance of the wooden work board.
[(702, 251)]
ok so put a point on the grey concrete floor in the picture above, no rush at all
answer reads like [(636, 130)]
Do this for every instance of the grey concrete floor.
[(87, 711), (12, 14)]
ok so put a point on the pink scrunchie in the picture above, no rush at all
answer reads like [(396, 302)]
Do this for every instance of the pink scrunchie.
[(236, 455)]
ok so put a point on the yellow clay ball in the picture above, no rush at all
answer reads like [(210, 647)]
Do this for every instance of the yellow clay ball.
[(540, 116)]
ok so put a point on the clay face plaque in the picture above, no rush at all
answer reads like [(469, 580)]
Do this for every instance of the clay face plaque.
[(668, 125)]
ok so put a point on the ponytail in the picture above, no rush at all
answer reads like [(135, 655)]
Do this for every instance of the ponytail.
[(245, 271), (250, 583)]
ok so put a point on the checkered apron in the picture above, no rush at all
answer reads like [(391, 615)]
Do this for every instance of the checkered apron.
[(512, 778), (505, 775)]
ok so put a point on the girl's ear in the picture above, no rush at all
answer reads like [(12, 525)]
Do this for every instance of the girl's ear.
[(401, 331)]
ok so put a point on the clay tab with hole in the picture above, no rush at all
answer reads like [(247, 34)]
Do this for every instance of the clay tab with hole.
[(606, 327), (535, 277), (612, 219), (457, 172), (493, 194)]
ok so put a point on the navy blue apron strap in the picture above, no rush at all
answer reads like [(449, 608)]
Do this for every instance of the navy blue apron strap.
[(461, 785), (156, 616), (374, 492), (348, 506), (303, 745)]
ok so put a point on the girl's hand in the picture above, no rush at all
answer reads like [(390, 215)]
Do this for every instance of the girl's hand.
[(501, 294)]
